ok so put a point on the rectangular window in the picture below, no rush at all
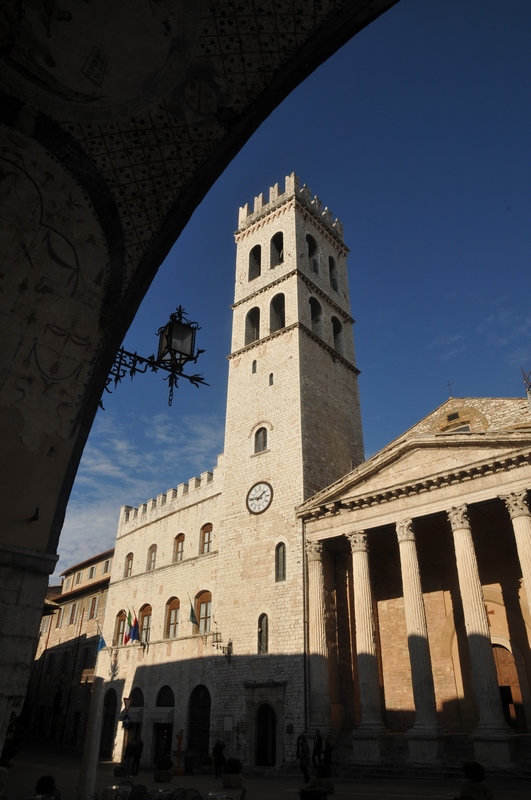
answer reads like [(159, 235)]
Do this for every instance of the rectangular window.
[(73, 614), (49, 664), (85, 658), (204, 617), (45, 624), (59, 620), (79, 575), (67, 584), (91, 572), (64, 662), (93, 607), (106, 566)]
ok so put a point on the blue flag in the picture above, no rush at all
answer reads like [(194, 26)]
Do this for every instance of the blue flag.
[(101, 643)]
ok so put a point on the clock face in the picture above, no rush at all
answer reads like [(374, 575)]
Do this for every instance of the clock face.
[(259, 497)]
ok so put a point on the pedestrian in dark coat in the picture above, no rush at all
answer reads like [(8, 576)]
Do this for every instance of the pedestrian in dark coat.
[(317, 753), (304, 758), (137, 754), (129, 753), (219, 758)]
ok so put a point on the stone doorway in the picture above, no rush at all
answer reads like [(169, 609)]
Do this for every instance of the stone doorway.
[(199, 720), (510, 691), (266, 736)]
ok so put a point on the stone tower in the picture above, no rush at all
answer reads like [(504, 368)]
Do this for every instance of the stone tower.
[(293, 427)]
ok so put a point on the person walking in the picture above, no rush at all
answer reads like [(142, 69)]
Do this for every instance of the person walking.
[(219, 758), (137, 754), (129, 753), (304, 758), (317, 749)]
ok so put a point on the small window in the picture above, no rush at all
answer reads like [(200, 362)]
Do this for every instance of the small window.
[(63, 665), (311, 248), (172, 618), (128, 566), (206, 539), (253, 367), (49, 664), (178, 547), (277, 313), (280, 562), (86, 659), (119, 628), (337, 333), (316, 316), (93, 608), (79, 575), (451, 417), (59, 620), (260, 440), (263, 635), (67, 584), (255, 262), (277, 250), (145, 623), (45, 624), (204, 611), (73, 614), (332, 270), (106, 566), (252, 325), (91, 572), (152, 557), (271, 379)]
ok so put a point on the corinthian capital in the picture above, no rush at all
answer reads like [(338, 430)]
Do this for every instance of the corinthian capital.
[(405, 531), (358, 541), (516, 503), (314, 551), (459, 517)]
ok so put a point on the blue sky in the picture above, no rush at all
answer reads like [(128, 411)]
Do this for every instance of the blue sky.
[(416, 135)]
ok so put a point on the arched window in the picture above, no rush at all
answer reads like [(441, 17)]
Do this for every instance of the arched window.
[(137, 698), (277, 250), (253, 367), (119, 628), (280, 562), (128, 567), (205, 545), (152, 557), (145, 623), (263, 635), (271, 379), (255, 262), (337, 332), (316, 316), (252, 325), (178, 547), (165, 697), (332, 271), (277, 313), (203, 604), (260, 440), (311, 249), (172, 618)]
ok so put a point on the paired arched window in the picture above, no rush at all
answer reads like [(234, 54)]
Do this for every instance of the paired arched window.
[(205, 545), (316, 316), (252, 325), (145, 623), (277, 250), (172, 618), (178, 547), (311, 249), (204, 611), (255, 262), (337, 333), (260, 440), (277, 313), (263, 635), (332, 272), (128, 566), (152, 557), (119, 628), (280, 562)]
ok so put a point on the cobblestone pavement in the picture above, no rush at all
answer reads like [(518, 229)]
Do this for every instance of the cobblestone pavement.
[(36, 758)]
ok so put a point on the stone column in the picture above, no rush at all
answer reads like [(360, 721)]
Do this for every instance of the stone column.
[(318, 650), (518, 509), (423, 738), (492, 733), (366, 738)]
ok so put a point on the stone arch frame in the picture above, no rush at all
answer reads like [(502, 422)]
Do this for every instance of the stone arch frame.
[(256, 695), (263, 423)]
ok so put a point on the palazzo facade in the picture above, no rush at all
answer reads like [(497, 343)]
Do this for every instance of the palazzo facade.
[(419, 587)]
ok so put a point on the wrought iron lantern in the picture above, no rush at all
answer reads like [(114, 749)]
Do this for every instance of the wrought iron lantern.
[(176, 349)]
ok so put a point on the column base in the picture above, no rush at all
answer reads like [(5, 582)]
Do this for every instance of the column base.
[(368, 744), (424, 745), (494, 746)]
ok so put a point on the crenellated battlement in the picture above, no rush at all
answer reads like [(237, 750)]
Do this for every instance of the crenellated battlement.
[(246, 217), (181, 495)]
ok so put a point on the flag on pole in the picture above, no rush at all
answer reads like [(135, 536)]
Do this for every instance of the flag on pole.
[(101, 643), (128, 628), (135, 634), (193, 618)]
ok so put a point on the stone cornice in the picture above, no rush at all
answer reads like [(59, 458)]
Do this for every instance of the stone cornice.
[(311, 286), (313, 509), (335, 355)]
